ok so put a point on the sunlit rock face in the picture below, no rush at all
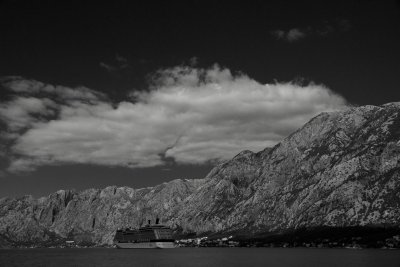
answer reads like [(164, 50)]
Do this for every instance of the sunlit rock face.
[(92, 215), (339, 169)]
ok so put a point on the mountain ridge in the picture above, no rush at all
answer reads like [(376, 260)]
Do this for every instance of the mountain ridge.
[(340, 169)]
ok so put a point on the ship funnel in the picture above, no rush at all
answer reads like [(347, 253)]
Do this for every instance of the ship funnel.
[(149, 221), (157, 220)]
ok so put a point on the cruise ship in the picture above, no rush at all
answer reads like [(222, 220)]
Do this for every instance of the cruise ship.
[(150, 236)]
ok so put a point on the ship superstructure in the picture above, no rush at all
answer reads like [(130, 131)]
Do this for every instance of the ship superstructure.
[(150, 236)]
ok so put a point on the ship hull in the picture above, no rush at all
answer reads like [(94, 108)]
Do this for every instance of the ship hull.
[(146, 245)]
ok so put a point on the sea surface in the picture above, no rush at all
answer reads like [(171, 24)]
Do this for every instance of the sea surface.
[(199, 257)]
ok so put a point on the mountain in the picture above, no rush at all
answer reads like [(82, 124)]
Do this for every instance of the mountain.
[(340, 169)]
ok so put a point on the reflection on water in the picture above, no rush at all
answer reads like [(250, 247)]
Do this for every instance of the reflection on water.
[(200, 257)]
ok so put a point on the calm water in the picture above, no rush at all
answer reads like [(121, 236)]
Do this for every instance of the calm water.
[(200, 257)]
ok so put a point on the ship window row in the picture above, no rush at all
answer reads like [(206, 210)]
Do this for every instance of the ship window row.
[(160, 234), (139, 236)]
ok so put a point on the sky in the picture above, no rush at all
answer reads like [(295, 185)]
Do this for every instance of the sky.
[(139, 93)]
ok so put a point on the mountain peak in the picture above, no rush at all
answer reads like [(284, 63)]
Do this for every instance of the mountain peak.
[(342, 168), (244, 154)]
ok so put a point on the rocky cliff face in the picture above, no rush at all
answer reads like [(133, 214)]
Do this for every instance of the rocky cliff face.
[(339, 169), (92, 215)]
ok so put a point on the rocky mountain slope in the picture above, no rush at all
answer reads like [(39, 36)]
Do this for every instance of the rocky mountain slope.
[(339, 169)]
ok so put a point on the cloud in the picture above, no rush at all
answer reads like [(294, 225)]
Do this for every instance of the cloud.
[(193, 61), (291, 35), (344, 24), (279, 34), (120, 59), (22, 112), (121, 64), (19, 85), (190, 115), (323, 29), (108, 67), (295, 34)]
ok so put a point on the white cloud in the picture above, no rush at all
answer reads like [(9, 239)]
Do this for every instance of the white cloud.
[(20, 85), (120, 59), (322, 29), (120, 64), (108, 67), (295, 34), (21, 112), (192, 115), (291, 35), (279, 34)]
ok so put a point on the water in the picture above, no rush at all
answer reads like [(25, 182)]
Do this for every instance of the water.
[(209, 257)]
